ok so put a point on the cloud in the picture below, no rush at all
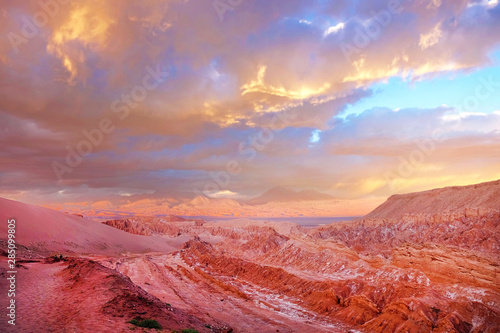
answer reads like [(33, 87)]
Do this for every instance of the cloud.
[(431, 38), (276, 65)]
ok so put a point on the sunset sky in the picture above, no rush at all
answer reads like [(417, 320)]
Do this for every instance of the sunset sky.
[(228, 98)]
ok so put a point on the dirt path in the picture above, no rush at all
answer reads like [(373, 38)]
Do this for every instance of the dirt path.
[(45, 303), (39, 296)]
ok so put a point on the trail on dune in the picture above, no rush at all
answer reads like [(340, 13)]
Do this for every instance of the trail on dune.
[(46, 303)]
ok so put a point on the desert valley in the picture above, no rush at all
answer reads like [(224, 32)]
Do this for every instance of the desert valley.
[(420, 262)]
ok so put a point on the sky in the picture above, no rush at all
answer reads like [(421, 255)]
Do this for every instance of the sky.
[(168, 100)]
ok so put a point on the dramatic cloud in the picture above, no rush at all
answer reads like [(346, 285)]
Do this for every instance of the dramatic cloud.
[(149, 100)]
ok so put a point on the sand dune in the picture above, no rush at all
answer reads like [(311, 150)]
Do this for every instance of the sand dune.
[(48, 230)]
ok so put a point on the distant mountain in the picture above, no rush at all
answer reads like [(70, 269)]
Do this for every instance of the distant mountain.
[(198, 201), (202, 205), (202, 201), (283, 194)]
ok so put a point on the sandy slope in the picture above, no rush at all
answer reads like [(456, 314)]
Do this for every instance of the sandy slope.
[(49, 230)]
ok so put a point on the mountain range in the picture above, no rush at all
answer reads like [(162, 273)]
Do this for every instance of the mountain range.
[(284, 194), (276, 202)]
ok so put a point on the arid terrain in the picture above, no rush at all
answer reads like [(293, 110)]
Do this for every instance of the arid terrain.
[(420, 262)]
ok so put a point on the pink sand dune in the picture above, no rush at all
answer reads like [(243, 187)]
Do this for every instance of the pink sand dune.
[(55, 231)]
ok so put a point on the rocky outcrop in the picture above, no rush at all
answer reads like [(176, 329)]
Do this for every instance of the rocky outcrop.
[(473, 229), (130, 226), (167, 225)]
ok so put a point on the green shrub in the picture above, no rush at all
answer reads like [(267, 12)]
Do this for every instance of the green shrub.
[(189, 330), (147, 323)]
